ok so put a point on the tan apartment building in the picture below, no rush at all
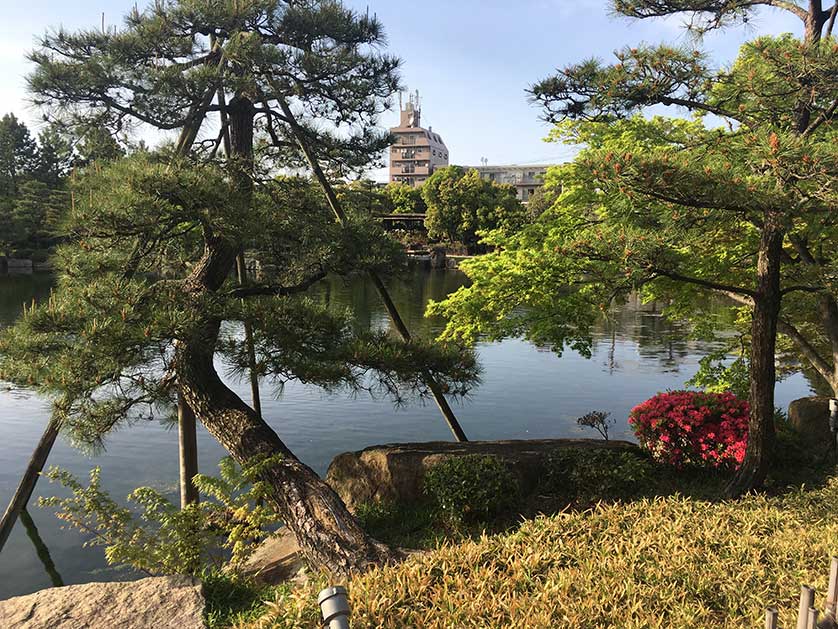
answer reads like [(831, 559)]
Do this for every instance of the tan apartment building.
[(526, 179), (417, 152)]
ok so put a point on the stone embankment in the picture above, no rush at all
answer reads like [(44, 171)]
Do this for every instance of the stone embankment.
[(396, 473), (153, 603)]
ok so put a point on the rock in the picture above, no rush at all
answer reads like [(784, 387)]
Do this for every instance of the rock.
[(276, 560), (809, 416), (156, 603), (395, 473), (438, 258)]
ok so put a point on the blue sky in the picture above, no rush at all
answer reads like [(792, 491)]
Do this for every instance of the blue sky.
[(472, 60)]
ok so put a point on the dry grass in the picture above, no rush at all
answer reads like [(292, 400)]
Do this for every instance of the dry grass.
[(668, 562)]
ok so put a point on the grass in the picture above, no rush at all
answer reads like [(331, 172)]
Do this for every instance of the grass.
[(233, 600), (661, 551), (655, 562)]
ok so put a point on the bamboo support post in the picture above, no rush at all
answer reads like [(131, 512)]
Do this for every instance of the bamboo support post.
[(395, 317), (832, 591), (772, 617), (807, 600), (241, 273), (29, 480), (188, 453)]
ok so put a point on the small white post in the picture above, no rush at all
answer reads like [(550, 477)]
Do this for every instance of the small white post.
[(832, 592), (807, 600)]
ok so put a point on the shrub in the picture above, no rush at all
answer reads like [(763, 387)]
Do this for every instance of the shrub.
[(156, 536), (590, 474), (664, 562), (471, 488), (693, 428)]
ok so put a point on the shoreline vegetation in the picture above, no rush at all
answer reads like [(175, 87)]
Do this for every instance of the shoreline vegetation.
[(665, 545)]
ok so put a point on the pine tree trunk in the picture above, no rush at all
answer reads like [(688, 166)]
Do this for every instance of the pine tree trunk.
[(763, 373), (329, 536)]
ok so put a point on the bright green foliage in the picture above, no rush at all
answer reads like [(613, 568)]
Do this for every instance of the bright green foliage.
[(156, 536), (405, 199), (672, 207), (462, 206), (471, 488)]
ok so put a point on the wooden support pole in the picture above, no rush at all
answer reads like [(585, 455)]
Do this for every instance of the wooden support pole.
[(241, 271), (395, 317), (807, 600), (772, 617), (29, 480), (188, 453)]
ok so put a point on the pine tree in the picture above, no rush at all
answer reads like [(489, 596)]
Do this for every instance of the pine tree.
[(284, 78), (18, 152)]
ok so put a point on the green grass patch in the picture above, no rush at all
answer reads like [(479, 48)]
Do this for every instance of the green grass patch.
[(233, 600)]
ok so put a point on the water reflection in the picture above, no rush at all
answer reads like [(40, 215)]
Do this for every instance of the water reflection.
[(40, 548)]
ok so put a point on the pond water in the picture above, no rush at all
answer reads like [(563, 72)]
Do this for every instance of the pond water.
[(526, 393)]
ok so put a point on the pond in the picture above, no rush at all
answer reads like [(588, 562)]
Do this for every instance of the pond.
[(526, 393)]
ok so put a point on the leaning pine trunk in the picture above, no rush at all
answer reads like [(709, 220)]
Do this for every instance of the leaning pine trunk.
[(329, 536), (763, 373)]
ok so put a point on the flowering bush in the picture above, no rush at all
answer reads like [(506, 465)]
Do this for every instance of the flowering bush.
[(693, 428)]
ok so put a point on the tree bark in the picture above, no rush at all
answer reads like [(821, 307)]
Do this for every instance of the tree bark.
[(329, 536), (763, 372)]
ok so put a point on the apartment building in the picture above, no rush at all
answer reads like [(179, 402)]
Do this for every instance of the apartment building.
[(417, 152), (526, 179)]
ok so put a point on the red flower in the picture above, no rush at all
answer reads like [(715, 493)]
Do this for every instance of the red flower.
[(693, 428)]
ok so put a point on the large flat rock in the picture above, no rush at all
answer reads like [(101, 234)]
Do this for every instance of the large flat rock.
[(396, 472), (153, 603)]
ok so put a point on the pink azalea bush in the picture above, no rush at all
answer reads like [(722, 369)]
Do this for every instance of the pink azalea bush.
[(693, 428)]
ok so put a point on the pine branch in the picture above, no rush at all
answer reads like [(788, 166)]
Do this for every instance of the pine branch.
[(817, 361), (271, 290)]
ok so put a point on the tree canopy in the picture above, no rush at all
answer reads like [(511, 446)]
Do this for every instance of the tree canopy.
[(739, 201), (460, 204)]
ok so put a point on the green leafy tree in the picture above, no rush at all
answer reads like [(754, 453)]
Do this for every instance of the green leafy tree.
[(97, 144), (18, 152), (405, 199), (291, 83), (461, 204), (683, 208)]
